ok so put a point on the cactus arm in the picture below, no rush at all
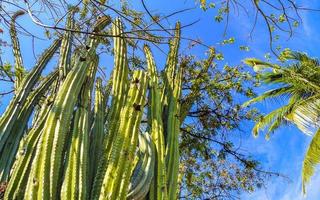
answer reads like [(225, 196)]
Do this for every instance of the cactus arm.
[(84, 154), (173, 128), (123, 149), (159, 185), (57, 123), (22, 167), (65, 49), (140, 189), (8, 153), (120, 81), (56, 128), (18, 68), (10, 115), (120, 188), (171, 64), (74, 184), (118, 94), (73, 89), (70, 185), (97, 130), (85, 104)]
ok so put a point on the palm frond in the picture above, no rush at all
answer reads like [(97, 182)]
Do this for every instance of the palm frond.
[(311, 159), (258, 65), (306, 116), (269, 94), (274, 119)]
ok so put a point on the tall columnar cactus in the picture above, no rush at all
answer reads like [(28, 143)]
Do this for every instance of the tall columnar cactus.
[(9, 117), (71, 152), (173, 129), (158, 187), (18, 66), (66, 46), (118, 173), (170, 68), (46, 179), (97, 130), (75, 182), (22, 166), (118, 95), (171, 113), (7, 154)]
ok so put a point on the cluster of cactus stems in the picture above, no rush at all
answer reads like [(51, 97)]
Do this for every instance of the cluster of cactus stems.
[(54, 144)]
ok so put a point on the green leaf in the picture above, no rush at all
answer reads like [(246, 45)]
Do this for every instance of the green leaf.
[(312, 158)]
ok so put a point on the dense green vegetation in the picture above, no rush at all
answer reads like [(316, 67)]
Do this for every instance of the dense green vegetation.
[(144, 131)]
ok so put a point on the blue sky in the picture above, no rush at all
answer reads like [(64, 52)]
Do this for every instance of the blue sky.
[(285, 150)]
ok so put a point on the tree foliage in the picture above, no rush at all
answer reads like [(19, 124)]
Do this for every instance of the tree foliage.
[(211, 165)]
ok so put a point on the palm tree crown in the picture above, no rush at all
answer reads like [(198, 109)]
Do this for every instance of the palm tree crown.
[(298, 82)]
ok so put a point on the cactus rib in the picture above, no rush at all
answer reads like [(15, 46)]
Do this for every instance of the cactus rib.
[(97, 130), (173, 129)]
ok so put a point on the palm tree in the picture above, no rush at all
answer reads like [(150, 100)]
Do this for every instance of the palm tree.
[(297, 85)]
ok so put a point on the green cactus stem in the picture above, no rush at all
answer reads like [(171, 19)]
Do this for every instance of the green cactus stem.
[(75, 184), (19, 70), (118, 173), (9, 151), (22, 166), (66, 44), (171, 66), (159, 184), (173, 129), (143, 175), (97, 130), (9, 117), (118, 95), (46, 179)]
